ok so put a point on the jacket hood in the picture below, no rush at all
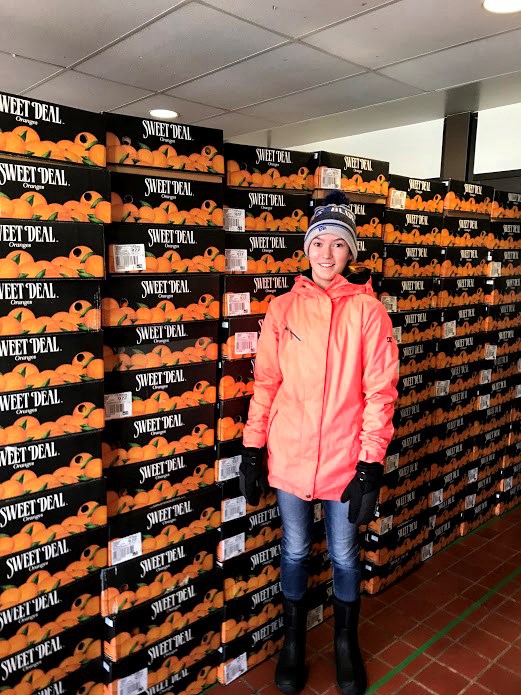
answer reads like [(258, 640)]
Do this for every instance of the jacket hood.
[(353, 281)]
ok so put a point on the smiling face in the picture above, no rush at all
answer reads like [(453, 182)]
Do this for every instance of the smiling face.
[(328, 256)]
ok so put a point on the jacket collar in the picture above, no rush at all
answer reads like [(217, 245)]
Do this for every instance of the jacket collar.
[(352, 282)]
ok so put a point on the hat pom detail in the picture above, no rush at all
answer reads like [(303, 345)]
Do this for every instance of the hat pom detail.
[(335, 198)]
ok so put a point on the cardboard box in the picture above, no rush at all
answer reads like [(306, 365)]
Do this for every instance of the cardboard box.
[(499, 392), (237, 379), (54, 192), (49, 663), (128, 301), (448, 483), (440, 537), (232, 417), (455, 431), (401, 479), (159, 573), (506, 205), (150, 248), (417, 357), (401, 539), (456, 351), (175, 201), (145, 142), (234, 507), (503, 290), (411, 227), (411, 261), (504, 367), (411, 418), (124, 441), (227, 460), (509, 478), (254, 211), (460, 321), (455, 405), (245, 295), (263, 167), (40, 361), (246, 613), (496, 416), (163, 525), (239, 337), (466, 231), (416, 326), (493, 442), (415, 194), (353, 174), (511, 455), (463, 262), (42, 414), (505, 342), (51, 566), (444, 506), (504, 316), (245, 533), (416, 388), (44, 130), (143, 484), (505, 262), (468, 197), (452, 458), (260, 254), (458, 291), (51, 250), (477, 514), (128, 348), (49, 306), (378, 577), (370, 254), (508, 233), (246, 572), (145, 392), (129, 632), (398, 510), (194, 679), (504, 501), (460, 377), (369, 217)]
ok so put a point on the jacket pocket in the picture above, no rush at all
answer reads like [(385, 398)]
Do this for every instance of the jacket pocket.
[(268, 428)]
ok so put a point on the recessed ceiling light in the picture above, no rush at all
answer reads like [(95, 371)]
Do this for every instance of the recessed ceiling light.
[(502, 6), (163, 113)]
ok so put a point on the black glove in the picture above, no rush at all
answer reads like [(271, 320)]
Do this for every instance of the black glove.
[(362, 492), (253, 479)]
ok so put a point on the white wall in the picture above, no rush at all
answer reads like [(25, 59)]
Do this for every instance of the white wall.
[(498, 139), (412, 150)]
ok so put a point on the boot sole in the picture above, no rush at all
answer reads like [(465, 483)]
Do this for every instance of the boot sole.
[(350, 689), (289, 689)]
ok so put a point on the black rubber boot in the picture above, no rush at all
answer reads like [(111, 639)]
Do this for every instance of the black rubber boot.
[(350, 670), (290, 674)]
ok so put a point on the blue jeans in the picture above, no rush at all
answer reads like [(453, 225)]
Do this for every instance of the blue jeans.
[(342, 544)]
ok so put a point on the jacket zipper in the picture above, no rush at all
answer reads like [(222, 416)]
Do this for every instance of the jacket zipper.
[(293, 334)]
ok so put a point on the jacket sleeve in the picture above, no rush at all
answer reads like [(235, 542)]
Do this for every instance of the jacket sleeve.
[(379, 380), (268, 378)]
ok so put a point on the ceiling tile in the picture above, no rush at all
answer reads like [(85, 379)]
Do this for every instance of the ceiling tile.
[(188, 111), (272, 74), (478, 60), (410, 28), (343, 95), (237, 123), (283, 15), (17, 74), (187, 43), (72, 88), (62, 31)]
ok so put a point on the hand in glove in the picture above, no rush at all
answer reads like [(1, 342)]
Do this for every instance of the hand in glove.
[(253, 479), (362, 492)]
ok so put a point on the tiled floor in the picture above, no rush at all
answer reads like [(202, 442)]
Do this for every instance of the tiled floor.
[(417, 636)]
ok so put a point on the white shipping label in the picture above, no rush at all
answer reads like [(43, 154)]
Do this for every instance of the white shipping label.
[(315, 617), (134, 684), (427, 551), (495, 269), (238, 304), (118, 405), (472, 475), (484, 402), (235, 668), (234, 509), (436, 497), (519, 365), (391, 463), (386, 524), (236, 260), (449, 329), (233, 546), (127, 548), (508, 484), (442, 388), (234, 220), (398, 199), (432, 522), (390, 303), (128, 257), (330, 178), (246, 343), (229, 468), (518, 391), (397, 333), (470, 501), (485, 376), (490, 352)]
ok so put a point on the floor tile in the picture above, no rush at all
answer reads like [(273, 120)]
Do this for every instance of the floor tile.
[(501, 681), (413, 688), (511, 660), (464, 661), (484, 643), (441, 679), (500, 626)]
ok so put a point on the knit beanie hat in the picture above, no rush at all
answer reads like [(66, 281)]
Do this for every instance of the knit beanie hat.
[(333, 217)]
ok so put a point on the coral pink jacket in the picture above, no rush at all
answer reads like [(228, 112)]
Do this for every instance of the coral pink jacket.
[(325, 386)]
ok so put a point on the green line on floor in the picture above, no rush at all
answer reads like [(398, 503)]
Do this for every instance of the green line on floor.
[(457, 620)]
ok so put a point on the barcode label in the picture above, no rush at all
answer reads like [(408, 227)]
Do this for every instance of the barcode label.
[(118, 405), (386, 524), (330, 178), (485, 376), (390, 303), (127, 548), (397, 334), (234, 509), (518, 391), (134, 684), (128, 257), (317, 512), (229, 468), (238, 303), (234, 220), (397, 200), (391, 463), (436, 498), (432, 522), (233, 546), (442, 388), (246, 343), (472, 475), (315, 617), (490, 352), (519, 365), (508, 483), (470, 501), (484, 402), (235, 668), (449, 329), (495, 269), (236, 261), (427, 551)]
